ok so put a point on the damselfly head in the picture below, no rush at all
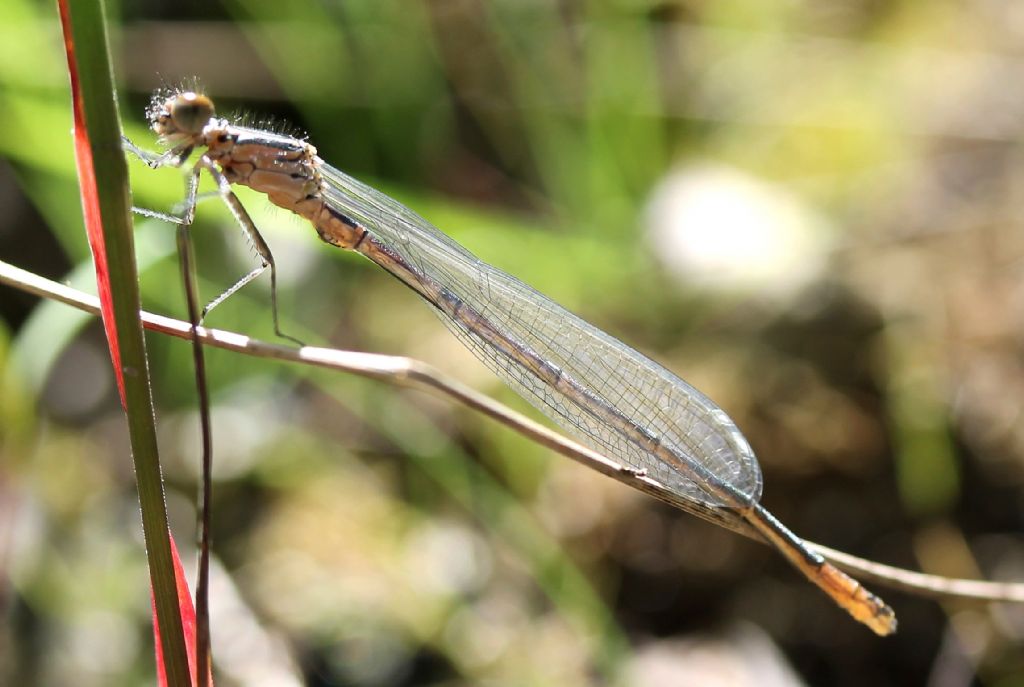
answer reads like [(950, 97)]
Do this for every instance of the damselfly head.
[(180, 115)]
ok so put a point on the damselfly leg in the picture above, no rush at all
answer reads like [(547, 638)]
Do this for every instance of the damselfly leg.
[(177, 157)]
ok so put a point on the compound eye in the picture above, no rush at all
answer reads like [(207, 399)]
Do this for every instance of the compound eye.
[(190, 112)]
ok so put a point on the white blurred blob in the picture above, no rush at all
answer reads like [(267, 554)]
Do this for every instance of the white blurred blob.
[(449, 558), (99, 643), (744, 656), (718, 228), (244, 650), (479, 633), (572, 504), (23, 535), (79, 382), (244, 422)]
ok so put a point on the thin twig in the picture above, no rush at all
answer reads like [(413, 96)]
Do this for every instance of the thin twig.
[(413, 373), (204, 660)]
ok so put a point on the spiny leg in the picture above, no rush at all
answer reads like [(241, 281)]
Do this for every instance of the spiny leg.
[(175, 157), (257, 242), (188, 206)]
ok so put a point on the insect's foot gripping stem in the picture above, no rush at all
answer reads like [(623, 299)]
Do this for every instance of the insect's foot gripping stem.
[(175, 157), (162, 216), (298, 342)]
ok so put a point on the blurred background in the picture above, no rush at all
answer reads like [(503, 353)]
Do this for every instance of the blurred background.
[(810, 211)]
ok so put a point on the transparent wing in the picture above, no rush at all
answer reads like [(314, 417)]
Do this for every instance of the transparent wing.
[(683, 419)]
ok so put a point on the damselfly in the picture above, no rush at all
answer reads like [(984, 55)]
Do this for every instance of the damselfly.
[(611, 397)]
